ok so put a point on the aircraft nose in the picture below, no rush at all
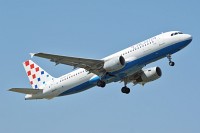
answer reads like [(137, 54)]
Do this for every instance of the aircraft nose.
[(188, 37)]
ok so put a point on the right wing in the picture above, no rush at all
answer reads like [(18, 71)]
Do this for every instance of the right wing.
[(26, 90), (91, 65)]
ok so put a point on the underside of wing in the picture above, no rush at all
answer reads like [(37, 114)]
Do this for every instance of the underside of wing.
[(144, 76), (26, 90), (132, 78), (92, 65)]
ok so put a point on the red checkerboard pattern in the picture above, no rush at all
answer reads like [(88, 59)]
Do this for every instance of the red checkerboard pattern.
[(37, 76), (27, 63), (32, 71), (33, 76), (37, 69), (32, 66), (29, 73)]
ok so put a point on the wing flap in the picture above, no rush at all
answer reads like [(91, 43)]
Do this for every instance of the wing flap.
[(26, 90)]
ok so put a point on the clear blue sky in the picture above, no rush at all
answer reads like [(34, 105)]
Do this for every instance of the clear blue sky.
[(94, 29)]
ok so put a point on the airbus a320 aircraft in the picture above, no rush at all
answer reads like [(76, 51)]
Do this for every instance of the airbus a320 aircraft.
[(126, 66)]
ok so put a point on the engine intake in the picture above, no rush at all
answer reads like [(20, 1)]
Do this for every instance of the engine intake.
[(114, 64)]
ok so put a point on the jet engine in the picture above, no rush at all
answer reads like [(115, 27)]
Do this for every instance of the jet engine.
[(114, 64), (149, 75)]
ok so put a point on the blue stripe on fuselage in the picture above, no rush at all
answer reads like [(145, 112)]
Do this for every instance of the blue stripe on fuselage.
[(79, 88), (155, 55), (139, 62)]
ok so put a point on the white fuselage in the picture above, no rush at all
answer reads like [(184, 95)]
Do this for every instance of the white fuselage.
[(136, 57)]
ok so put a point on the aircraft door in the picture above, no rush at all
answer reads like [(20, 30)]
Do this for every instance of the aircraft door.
[(160, 41)]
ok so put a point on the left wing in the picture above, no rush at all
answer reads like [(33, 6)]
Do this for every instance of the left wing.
[(91, 65)]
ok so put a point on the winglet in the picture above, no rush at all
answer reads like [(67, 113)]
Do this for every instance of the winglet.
[(32, 54)]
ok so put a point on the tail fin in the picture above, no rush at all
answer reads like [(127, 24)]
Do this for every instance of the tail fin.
[(37, 76)]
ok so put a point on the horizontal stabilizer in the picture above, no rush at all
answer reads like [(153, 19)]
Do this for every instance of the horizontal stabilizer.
[(26, 90)]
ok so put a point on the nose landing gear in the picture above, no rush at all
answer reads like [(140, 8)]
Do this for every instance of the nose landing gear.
[(171, 63)]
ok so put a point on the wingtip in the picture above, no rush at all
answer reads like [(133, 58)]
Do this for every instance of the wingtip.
[(32, 54), (10, 89)]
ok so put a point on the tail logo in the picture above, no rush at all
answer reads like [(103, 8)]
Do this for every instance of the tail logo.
[(37, 76)]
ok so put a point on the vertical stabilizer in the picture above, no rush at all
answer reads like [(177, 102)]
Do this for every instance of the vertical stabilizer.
[(37, 76)]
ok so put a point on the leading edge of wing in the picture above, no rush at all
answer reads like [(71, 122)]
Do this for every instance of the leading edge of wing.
[(58, 58), (88, 64)]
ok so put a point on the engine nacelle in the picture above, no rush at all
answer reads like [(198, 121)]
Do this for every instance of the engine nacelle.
[(114, 64), (150, 74)]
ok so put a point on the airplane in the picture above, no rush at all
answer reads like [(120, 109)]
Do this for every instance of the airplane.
[(125, 66)]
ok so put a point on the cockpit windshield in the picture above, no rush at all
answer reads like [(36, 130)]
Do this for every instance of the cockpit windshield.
[(176, 33)]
